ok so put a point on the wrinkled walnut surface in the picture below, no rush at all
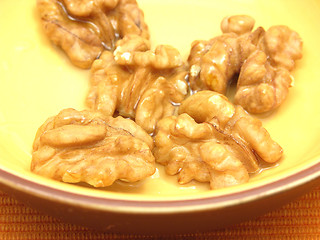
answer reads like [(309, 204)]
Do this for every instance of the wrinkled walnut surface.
[(134, 51), (212, 107), (265, 78), (89, 147), (138, 83), (283, 46), (213, 141), (260, 86), (201, 152), (213, 63), (238, 24), (263, 60), (83, 29)]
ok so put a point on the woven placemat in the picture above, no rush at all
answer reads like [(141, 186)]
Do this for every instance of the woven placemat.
[(299, 219)]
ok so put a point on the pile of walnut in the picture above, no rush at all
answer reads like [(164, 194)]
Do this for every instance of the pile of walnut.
[(175, 113)]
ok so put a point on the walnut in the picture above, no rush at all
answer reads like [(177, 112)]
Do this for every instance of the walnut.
[(238, 24), (260, 86), (215, 62), (83, 29), (133, 50), (262, 59), (145, 86), (130, 19), (88, 147), (208, 106), (283, 46), (202, 152), (264, 79), (214, 108)]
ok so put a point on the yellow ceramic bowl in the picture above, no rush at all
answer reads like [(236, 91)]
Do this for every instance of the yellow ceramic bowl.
[(37, 81)]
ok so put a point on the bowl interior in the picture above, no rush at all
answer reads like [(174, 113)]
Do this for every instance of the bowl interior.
[(38, 81)]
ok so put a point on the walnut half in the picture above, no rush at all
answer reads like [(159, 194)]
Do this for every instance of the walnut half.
[(262, 59), (83, 29), (212, 107), (202, 152), (213, 141), (89, 147)]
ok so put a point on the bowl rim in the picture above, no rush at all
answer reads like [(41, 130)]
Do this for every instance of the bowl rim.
[(160, 206)]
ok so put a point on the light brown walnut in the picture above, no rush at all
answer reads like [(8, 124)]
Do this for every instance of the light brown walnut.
[(145, 90), (283, 46), (202, 152), (133, 50), (85, 146), (265, 78), (238, 24), (262, 60), (261, 87), (214, 108), (83, 29), (215, 62)]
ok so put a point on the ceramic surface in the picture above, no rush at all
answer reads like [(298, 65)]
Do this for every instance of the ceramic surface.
[(37, 81)]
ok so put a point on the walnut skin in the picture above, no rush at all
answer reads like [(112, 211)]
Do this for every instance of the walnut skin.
[(212, 107), (213, 63), (201, 152), (238, 24), (89, 147), (283, 46), (83, 29), (260, 86), (138, 83), (133, 50), (262, 59), (265, 78)]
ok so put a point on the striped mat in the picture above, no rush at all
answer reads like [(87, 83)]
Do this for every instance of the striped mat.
[(299, 219)]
